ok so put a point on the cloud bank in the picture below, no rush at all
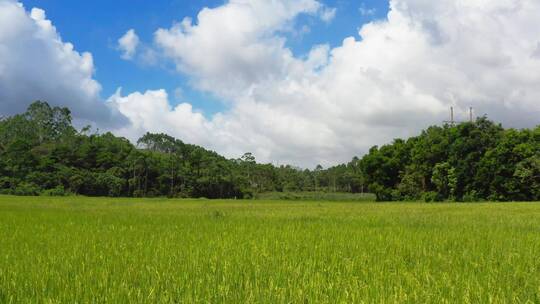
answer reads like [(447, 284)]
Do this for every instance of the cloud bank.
[(35, 64), (396, 77)]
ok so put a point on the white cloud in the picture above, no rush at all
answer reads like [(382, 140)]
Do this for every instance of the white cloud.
[(328, 14), (365, 11), (536, 53), (234, 46), (397, 77), (128, 44), (36, 64), (152, 111)]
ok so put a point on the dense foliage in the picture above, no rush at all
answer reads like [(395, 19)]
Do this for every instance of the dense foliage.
[(42, 153), (467, 162)]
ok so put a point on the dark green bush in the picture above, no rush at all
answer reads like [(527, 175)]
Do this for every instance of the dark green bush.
[(58, 191), (431, 196), (26, 189)]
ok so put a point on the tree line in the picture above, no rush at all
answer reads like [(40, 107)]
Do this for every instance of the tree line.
[(467, 162), (42, 153)]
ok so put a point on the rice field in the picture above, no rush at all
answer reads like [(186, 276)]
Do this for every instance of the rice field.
[(90, 250)]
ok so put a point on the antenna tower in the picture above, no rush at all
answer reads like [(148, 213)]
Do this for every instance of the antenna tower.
[(451, 122)]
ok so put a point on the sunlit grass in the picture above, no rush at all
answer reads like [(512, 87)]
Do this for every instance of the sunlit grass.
[(87, 250)]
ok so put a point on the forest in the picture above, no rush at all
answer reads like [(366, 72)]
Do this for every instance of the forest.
[(42, 153)]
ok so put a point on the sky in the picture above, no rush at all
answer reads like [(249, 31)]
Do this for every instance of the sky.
[(95, 27), (303, 82)]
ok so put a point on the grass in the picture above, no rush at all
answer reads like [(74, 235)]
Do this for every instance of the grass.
[(317, 196), (86, 250)]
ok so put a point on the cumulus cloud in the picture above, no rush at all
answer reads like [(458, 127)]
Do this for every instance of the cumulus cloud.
[(128, 44), (151, 110), (396, 77), (231, 133), (328, 14), (234, 46), (36, 64)]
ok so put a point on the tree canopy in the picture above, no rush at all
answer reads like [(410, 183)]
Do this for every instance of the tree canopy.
[(41, 152)]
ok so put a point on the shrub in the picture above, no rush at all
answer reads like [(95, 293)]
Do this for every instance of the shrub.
[(58, 191), (431, 196), (26, 189), (247, 194), (6, 182), (383, 194), (470, 196), (6, 191)]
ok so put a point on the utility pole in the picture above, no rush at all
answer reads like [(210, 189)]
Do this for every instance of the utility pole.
[(451, 121)]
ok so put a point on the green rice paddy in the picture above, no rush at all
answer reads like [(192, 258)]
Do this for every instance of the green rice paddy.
[(90, 250)]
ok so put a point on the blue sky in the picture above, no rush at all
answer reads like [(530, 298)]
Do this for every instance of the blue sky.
[(95, 26), (334, 99)]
